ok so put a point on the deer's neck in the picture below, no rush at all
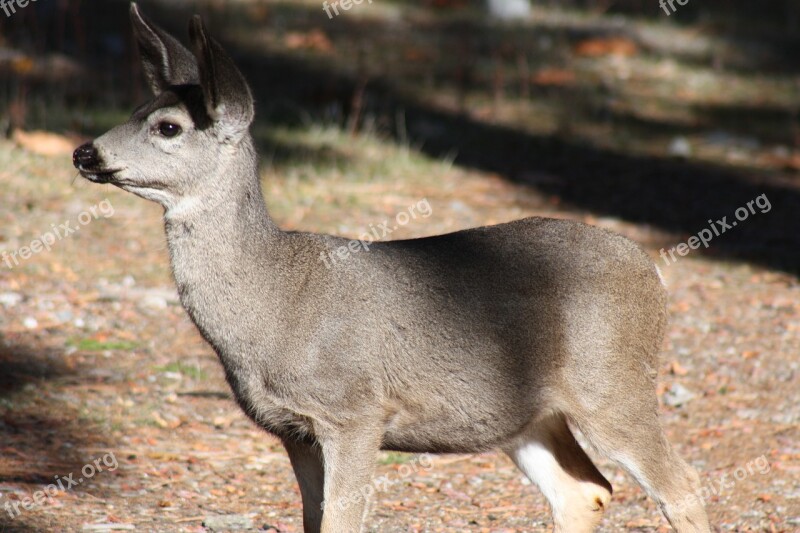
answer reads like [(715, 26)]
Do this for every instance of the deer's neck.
[(225, 253)]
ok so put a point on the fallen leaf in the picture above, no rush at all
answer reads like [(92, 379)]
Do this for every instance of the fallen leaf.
[(45, 143), (553, 76), (313, 40), (676, 369), (616, 46)]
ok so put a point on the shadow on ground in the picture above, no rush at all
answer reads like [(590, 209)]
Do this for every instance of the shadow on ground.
[(41, 436), (677, 196)]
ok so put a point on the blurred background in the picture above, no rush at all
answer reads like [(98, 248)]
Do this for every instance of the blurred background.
[(650, 120)]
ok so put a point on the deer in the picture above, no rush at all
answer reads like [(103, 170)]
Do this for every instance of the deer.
[(511, 337)]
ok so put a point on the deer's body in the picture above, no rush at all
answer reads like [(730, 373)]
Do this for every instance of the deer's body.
[(451, 342), (487, 338)]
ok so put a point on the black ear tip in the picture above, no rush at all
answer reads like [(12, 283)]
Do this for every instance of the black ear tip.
[(196, 26)]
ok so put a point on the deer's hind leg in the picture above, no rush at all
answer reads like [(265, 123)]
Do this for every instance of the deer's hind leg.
[(551, 458), (631, 436)]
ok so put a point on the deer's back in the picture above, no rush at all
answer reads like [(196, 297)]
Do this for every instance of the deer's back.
[(470, 333)]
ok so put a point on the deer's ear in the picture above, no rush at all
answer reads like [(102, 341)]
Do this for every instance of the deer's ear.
[(165, 60), (227, 96)]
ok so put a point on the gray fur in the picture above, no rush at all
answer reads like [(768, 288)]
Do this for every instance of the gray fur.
[(493, 337)]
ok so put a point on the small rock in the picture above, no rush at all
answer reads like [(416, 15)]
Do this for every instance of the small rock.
[(30, 323), (509, 9), (228, 522), (782, 151), (680, 147), (677, 395), (10, 299), (64, 316), (152, 301), (724, 139), (108, 527), (459, 206), (749, 414)]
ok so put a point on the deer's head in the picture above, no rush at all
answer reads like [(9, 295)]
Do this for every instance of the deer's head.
[(175, 147)]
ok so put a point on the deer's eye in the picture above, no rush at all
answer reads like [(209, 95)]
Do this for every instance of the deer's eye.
[(168, 129)]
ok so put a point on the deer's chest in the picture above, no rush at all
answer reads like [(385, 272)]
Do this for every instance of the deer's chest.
[(264, 404)]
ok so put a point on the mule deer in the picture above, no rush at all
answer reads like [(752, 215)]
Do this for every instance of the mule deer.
[(490, 338)]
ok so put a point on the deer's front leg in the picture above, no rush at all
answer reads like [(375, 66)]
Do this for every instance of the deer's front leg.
[(306, 458), (349, 459)]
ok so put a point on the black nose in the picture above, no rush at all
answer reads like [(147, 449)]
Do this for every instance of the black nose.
[(85, 156)]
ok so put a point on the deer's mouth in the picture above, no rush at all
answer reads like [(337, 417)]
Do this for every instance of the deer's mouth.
[(98, 176), (128, 184)]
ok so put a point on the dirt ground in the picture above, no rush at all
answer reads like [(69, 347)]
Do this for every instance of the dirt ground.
[(98, 358), (103, 377)]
